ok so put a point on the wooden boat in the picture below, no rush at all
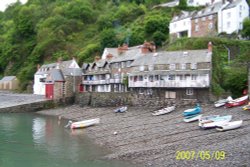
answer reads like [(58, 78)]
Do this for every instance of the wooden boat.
[(237, 102), (121, 109), (192, 111), (164, 111), (229, 126), (222, 102), (192, 118), (216, 122), (85, 123)]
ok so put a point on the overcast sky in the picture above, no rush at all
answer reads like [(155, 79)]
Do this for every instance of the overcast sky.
[(4, 3)]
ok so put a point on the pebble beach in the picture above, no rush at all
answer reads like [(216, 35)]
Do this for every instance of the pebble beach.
[(145, 140)]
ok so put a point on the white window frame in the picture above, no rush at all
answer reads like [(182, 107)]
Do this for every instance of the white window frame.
[(193, 66), (210, 17), (172, 66), (170, 95), (189, 91), (210, 25), (183, 66), (196, 28)]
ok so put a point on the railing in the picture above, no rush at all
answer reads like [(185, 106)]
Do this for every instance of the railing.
[(173, 84), (115, 81), (96, 82)]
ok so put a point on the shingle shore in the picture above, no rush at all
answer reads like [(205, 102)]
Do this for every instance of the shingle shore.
[(148, 140)]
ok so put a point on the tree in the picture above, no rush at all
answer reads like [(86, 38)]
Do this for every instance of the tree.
[(246, 28), (182, 4), (108, 38)]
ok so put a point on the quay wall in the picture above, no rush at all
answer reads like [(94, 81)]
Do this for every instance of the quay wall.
[(37, 106)]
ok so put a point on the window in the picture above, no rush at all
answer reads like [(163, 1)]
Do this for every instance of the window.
[(128, 63), (210, 17), (228, 15), (189, 92), (241, 26), (172, 67), (194, 77), (184, 23), (42, 79), (203, 18), (116, 88), (210, 26), (240, 7), (183, 66), (141, 91), (228, 24), (196, 20), (240, 14), (175, 25), (196, 28), (193, 66), (140, 78), (171, 77), (170, 95), (151, 78), (123, 64)]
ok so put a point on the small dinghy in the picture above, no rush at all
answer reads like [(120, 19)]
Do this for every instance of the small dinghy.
[(216, 122), (192, 118), (83, 124), (205, 119), (222, 102), (192, 111), (229, 126), (164, 111), (121, 109), (237, 102)]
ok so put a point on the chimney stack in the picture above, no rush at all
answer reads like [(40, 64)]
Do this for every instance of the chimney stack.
[(97, 58), (109, 56), (210, 47), (148, 47), (122, 49)]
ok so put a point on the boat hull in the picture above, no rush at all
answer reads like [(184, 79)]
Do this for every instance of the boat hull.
[(164, 111), (85, 123), (215, 122), (237, 102), (229, 126), (192, 118)]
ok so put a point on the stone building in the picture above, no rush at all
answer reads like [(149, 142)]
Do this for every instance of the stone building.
[(9, 83), (174, 74)]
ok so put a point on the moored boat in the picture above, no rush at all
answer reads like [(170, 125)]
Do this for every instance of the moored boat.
[(192, 118), (229, 126), (192, 111), (164, 111), (222, 102), (121, 109), (237, 102), (205, 119), (216, 122), (85, 123), (246, 107)]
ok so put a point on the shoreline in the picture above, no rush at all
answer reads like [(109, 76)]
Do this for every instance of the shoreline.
[(147, 140)]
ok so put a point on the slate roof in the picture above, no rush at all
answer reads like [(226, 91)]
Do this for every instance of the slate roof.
[(212, 9), (233, 4), (7, 78), (183, 15), (173, 57), (131, 54), (55, 75)]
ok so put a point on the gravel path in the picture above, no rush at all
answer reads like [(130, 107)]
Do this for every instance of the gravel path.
[(148, 140)]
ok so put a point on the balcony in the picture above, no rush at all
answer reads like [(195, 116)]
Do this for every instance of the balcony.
[(171, 84), (96, 82), (115, 80)]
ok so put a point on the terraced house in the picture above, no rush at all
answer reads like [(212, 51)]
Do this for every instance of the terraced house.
[(174, 74)]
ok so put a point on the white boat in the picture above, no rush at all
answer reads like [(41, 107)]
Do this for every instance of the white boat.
[(85, 123), (216, 122), (222, 102), (229, 126), (192, 118), (121, 109), (205, 119), (164, 111)]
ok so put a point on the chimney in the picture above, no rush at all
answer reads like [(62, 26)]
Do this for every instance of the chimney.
[(122, 49), (210, 47), (148, 47), (109, 56), (38, 67), (97, 58)]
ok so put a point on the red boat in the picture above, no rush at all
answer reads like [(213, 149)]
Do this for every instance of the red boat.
[(237, 102)]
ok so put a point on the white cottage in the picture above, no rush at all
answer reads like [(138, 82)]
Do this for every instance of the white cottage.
[(233, 16), (43, 71), (201, 2), (180, 26)]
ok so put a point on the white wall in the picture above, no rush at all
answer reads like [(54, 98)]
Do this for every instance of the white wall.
[(39, 87), (200, 2), (180, 26), (232, 19)]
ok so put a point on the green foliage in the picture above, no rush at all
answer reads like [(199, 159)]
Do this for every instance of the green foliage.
[(246, 28), (89, 52), (182, 4), (159, 38), (108, 38)]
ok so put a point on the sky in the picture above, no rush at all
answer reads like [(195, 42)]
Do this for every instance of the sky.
[(4, 3)]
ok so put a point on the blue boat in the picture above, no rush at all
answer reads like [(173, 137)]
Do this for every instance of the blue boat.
[(192, 111)]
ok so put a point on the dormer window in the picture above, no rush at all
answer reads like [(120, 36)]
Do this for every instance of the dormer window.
[(183, 66), (210, 17), (196, 20), (193, 66)]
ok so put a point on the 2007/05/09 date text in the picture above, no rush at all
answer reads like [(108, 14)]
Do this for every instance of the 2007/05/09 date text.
[(202, 155)]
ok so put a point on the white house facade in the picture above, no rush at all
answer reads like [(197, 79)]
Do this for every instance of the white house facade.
[(233, 16), (201, 2), (180, 26)]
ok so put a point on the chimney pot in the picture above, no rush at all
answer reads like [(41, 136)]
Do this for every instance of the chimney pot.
[(97, 58), (210, 47)]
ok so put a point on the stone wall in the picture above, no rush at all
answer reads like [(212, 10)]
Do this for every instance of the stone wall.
[(37, 106)]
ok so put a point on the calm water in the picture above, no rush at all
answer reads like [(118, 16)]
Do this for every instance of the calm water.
[(38, 141)]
